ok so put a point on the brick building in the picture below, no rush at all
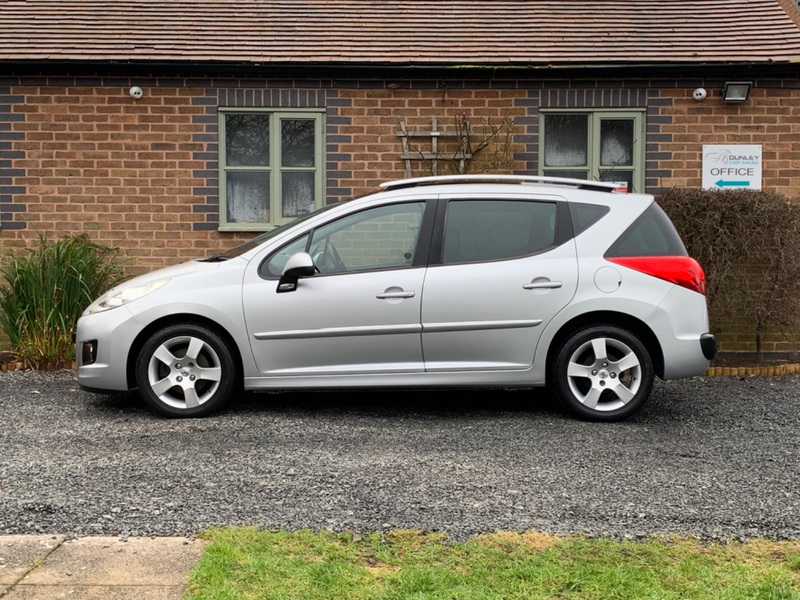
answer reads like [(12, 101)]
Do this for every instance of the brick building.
[(175, 129)]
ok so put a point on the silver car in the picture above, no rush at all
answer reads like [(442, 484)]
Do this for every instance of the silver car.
[(436, 282)]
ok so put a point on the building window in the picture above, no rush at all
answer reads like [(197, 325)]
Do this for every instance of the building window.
[(598, 145), (271, 166)]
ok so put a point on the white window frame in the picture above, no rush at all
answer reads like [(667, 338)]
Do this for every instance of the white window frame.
[(275, 169)]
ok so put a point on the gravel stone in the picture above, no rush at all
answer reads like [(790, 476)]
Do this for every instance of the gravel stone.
[(712, 457)]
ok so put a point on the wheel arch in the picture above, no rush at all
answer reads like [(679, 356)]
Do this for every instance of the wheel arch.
[(177, 319), (635, 326)]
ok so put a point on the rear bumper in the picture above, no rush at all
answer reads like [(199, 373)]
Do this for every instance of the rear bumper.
[(681, 326), (708, 344)]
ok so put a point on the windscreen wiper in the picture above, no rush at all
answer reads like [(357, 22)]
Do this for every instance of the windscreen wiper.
[(214, 258)]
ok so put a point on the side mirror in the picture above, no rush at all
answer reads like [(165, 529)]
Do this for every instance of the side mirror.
[(299, 265)]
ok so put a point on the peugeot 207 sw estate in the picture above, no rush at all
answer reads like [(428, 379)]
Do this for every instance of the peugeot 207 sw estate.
[(458, 281)]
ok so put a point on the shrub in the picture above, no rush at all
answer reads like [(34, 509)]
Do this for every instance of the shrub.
[(748, 242), (45, 291)]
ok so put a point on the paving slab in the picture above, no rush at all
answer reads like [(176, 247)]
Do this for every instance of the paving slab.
[(19, 554), (102, 568), (39, 592)]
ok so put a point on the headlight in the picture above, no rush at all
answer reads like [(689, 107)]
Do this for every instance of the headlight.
[(123, 294)]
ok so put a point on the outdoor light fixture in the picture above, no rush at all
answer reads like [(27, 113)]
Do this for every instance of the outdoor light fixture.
[(736, 91)]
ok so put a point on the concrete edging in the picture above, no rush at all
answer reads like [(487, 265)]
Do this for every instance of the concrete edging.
[(762, 371)]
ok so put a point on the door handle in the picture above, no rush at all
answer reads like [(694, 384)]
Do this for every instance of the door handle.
[(389, 295), (542, 285)]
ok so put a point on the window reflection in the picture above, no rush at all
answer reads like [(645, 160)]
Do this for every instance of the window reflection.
[(246, 140), (566, 140)]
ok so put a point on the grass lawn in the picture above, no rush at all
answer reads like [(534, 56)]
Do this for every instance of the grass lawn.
[(246, 563)]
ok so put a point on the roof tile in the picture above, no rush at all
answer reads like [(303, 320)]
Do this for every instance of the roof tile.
[(444, 32)]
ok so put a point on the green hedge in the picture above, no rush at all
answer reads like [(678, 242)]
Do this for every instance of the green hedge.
[(748, 242)]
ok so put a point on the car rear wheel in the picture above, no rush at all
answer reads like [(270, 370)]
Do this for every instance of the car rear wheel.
[(602, 373), (186, 371)]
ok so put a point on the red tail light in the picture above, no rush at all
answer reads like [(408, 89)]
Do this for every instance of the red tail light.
[(680, 270)]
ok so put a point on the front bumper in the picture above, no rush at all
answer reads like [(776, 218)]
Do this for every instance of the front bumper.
[(102, 343)]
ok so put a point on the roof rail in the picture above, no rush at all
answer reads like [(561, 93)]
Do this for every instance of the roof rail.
[(584, 184)]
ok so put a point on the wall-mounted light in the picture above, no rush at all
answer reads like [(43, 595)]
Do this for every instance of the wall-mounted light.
[(736, 91), (136, 92)]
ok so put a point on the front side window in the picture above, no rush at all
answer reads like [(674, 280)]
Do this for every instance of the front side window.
[(595, 145), (385, 237), (271, 167)]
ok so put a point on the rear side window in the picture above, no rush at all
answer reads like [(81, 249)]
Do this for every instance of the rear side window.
[(585, 215), (482, 230), (652, 234)]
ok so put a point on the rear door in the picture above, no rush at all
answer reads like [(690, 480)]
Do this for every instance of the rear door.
[(502, 276)]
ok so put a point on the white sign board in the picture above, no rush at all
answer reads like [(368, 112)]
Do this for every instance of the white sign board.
[(731, 167)]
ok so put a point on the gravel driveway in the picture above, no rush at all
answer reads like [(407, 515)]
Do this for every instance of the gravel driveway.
[(712, 457)]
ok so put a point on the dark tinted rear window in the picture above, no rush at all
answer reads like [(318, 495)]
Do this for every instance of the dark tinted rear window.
[(652, 234), (585, 215), (482, 230)]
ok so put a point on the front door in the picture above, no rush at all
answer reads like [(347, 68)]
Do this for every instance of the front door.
[(360, 314)]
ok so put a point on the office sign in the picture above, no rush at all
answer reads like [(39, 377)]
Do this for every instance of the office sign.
[(731, 166)]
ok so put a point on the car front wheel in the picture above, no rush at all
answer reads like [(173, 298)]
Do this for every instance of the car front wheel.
[(602, 373), (186, 371)]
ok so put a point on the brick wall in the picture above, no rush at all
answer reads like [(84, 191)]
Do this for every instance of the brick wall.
[(87, 158), (79, 155), (770, 118), (82, 156)]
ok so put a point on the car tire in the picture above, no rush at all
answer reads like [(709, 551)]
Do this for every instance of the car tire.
[(186, 371), (602, 373)]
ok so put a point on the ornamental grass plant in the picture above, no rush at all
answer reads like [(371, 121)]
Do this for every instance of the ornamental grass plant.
[(43, 291)]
